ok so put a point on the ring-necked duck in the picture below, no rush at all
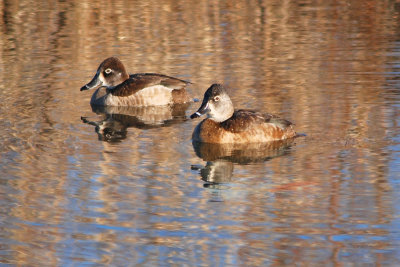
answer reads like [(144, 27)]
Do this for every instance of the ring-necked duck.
[(225, 125), (118, 88)]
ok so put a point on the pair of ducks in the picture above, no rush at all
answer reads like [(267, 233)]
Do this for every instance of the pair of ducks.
[(223, 125)]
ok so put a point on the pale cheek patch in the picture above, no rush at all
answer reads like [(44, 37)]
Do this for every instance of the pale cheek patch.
[(104, 82)]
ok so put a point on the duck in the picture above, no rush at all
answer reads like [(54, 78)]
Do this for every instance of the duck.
[(225, 125), (118, 88)]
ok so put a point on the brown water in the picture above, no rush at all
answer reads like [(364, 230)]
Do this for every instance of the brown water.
[(126, 187)]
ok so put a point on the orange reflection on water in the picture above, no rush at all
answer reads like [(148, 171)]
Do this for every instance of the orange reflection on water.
[(328, 199)]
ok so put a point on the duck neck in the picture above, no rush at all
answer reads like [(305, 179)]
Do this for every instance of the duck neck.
[(222, 116)]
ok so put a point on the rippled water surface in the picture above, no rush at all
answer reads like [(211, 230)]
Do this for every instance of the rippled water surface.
[(126, 187)]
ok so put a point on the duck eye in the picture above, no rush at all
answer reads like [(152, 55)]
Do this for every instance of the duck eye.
[(216, 99), (108, 71)]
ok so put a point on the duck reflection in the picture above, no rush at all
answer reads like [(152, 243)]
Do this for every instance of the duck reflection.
[(221, 158), (114, 122), (216, 173)]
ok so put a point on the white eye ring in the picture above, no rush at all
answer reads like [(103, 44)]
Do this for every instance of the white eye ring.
[(216, 99), (108, 71)]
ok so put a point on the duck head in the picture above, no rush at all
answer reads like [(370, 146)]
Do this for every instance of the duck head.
[(216, 104), (110, 73)]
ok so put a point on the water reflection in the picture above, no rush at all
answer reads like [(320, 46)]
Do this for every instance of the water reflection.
[(332, 67), (115, 121), (217, 172), (220, 158)]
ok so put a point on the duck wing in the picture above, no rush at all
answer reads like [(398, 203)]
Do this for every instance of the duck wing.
[(243, 119), (139, 81)]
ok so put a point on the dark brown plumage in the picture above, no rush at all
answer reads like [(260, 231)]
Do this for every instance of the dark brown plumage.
[(140, 81)]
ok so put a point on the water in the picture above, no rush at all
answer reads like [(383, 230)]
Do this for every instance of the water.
[(127, 187)]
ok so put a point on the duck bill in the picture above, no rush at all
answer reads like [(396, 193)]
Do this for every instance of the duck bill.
[(95, 82), (204, 108)]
